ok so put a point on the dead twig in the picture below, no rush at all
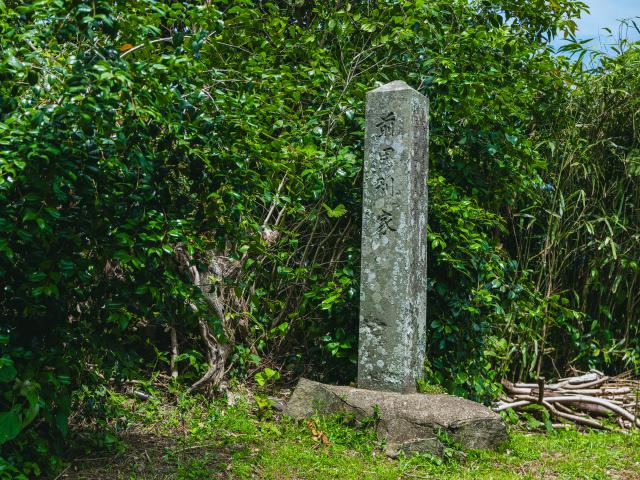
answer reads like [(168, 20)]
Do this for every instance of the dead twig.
[(578, 398)]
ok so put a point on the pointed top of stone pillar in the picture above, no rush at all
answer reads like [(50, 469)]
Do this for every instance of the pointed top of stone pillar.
[(394, 86)]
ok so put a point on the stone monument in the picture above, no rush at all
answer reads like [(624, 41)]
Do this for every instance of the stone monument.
[(393, 303), (393, 298)]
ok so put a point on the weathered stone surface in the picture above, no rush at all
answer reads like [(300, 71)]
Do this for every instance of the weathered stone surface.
[(393, 301), (408, 422)]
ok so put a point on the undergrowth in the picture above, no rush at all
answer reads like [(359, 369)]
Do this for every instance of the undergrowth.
[(196, 438)]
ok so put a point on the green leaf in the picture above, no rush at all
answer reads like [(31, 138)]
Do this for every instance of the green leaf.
[(62, 422), (7, 370), (336, 212), (260, 379), (368, 27), (10, 424)]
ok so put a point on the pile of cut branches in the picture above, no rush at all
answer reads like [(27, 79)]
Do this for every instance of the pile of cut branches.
[(584, 399)]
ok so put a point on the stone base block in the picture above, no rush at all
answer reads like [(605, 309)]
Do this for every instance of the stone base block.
[(407, 422)]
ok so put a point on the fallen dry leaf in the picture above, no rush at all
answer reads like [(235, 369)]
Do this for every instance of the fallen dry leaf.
[(318, 435)]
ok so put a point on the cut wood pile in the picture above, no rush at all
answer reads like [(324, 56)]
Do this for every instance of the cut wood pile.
[(584, 400)]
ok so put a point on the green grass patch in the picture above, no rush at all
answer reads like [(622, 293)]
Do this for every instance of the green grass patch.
[(195, 438)]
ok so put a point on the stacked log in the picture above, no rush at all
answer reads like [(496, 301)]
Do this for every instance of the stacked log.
[(585, 400)]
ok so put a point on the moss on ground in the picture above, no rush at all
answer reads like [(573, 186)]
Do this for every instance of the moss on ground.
[(193, 438)]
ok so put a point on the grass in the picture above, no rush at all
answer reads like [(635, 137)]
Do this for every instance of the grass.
[(194, 438)]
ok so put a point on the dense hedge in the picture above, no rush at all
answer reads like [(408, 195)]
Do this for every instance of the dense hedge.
[(229, 133)]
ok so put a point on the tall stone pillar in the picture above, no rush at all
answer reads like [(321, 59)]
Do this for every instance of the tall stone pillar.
[(393, 298)]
